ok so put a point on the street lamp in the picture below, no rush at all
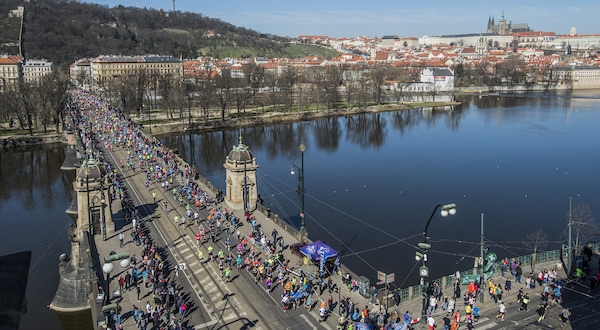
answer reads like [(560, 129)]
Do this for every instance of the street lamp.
[(301, 191), (108, 267), (447, 209), (102, 201)]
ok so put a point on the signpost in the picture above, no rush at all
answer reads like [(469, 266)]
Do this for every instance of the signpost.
[(383, 278)]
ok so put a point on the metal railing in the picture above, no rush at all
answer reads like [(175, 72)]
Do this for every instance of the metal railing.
[(415, 291)]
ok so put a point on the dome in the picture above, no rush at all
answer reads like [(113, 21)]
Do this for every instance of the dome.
[(240, 154), (91, 170)]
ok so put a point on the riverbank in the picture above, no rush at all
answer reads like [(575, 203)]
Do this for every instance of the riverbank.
[(16, 141), (162, 125)]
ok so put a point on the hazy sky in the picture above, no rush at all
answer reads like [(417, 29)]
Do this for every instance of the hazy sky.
[(376, 18)]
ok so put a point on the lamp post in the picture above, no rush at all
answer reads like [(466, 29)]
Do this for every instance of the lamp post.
[(149, 120), (86, 169), (108, 267), (102, 201), (301, 191), (447, 209)]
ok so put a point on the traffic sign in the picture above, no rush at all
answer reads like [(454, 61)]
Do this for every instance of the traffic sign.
[(383, 278)]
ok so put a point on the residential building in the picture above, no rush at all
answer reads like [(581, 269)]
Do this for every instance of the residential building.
[(108, 67), (11, 69), (579, 77), (439, 79), (34, 70)]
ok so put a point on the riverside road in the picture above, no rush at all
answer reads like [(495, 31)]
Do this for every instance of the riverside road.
[(239, 302)]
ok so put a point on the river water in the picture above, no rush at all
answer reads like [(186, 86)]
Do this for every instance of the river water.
[(34, 194), (371, 180)]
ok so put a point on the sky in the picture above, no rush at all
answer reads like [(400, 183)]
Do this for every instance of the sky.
[(377, 18)]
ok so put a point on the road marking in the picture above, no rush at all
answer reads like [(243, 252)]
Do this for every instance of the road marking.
[(486, 326), (303, 316), (205, 325)]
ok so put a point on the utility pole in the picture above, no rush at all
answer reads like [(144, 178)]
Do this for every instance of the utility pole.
[(570, 262), (481, 274)]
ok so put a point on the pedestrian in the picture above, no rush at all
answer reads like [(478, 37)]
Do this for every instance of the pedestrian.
[(524, 302), (447, 322), (127, 281), (564, 316), (431, 322), (451, 304), (501, 311), (542, 308), (396, 297), (445, 303), (121, 283), (121, 238), (507, 285), (134, 312), (137, 288), (373, 294)]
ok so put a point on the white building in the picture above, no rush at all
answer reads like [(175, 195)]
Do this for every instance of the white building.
[(34, 70), (440, 80), (468, 40)]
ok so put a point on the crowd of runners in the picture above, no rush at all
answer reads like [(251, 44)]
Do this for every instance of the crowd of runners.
[(102, 128)]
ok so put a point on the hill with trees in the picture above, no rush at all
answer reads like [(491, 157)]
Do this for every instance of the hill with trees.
[(63, 31)]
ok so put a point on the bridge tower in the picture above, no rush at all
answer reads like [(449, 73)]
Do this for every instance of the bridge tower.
[(240, 179), (93, 200)]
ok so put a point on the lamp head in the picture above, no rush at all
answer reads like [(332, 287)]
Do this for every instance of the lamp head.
[(424, 246), (419, 256), (448, 209), (108, 267)]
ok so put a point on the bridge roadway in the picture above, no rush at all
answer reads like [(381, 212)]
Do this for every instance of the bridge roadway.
[(238, 304)]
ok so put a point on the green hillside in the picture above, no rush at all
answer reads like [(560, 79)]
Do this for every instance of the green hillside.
[(63, 31)]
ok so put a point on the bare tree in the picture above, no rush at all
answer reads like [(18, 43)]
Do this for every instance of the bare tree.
[(223, 88), (583, 225), (534, 242), (377, 74)]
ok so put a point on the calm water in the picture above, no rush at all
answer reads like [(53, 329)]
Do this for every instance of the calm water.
[(373, 180), (34, 195)]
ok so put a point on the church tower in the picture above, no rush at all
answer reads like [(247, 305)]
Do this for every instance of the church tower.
[(373, 54), (240, 178), (481, 47), (502, 26)]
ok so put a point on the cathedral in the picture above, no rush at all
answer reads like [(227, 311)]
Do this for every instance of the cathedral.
[(503, 27)]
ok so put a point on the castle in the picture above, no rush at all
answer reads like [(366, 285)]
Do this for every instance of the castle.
[(503, 27)]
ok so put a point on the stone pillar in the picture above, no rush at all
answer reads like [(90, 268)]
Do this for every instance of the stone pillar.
[(240, 179)]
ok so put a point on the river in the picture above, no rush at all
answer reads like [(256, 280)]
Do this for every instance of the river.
[(34, 194)]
